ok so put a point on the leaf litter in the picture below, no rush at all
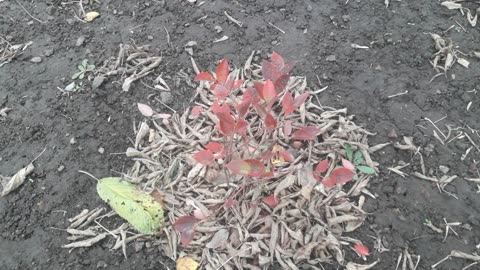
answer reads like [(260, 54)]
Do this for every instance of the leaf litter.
[(286, 218)]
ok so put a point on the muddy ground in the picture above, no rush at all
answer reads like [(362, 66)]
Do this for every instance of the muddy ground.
[(359, 79)]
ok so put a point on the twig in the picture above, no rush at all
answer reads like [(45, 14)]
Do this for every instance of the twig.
[(31, 16), (168, 37), (39, 155), (235, 21), (399, 94), (84, 172), (276, 27)]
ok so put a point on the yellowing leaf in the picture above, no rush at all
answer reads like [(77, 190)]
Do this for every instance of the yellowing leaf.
[(186, 263), (90, 16), (137, 207)]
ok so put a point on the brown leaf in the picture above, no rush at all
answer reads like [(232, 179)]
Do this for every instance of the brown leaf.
[(17, 180), (219, 240)]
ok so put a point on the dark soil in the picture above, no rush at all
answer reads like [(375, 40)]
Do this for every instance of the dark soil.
[(359, 79)]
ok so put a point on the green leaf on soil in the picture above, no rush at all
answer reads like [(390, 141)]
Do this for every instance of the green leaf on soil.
[(76, 75), (348, 150), (357, 158), (137, 207), (90, 67), (81, 68), (366, 170), (82, 75)]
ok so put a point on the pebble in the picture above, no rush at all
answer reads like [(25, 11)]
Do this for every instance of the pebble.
[(61, 168), (97, 82), (444, 169), (346, 18), (138, 246), (36, 59), (72, 140), (309, 8), (48, 52), (166, 97), (101, 150), (80, 41), (331, 58), (274, 42), (150, 37), (102, 264), (218, 28)]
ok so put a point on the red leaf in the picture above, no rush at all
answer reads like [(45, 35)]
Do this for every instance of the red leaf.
[(300, 100), (226, 124), (322, 166), (185, 225), (267, 155), (361, 250), (229, 202), (269, 71), (196, 110), (287, 128), (347, 164), (204, 157), (270, 122), (260, 110), (204, 76), (269, 93), (220, 92), (287, 103), (215, 147), (247, 167), (287, 156), (277, 61), (288, 67), (306, 133), (258, 88), (281, 82), (222, 71), (341, 175), (241, 126), (270, 201), (328, 182)]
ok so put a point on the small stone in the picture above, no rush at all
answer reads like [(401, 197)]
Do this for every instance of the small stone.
[(191, 43), (444, 169), (150, 37), (48, 52), (439, 92), (392, 134), (309, 8), (61, 168), (331, 58), (166, 97), (274, 42), (114, 12), (102, 264), (138, 246), (72, 140), (80, 41), (346, 18), (101, 150), (97, 81), (148, 245), (218, 28), (36, 59), (70, 21)]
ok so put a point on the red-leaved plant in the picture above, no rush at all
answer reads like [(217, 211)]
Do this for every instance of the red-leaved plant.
[(235, 104)]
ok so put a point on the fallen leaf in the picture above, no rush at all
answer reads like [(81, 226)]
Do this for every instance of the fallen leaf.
[(270, 122), (269, 93), (17, 180), (90, 16), (287, 128), (219, 240), (356, 266), (145, 110), (464, 62), (451, 5), (185, 225), (306, 133), (247, 167), (298, 101), (287, 103), (270, 201), (361, 250), (287, 156), (186, 263), (137, 207), (366, 170), (322, 166)]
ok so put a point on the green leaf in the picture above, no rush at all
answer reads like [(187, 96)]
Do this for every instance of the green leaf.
[(82, 75), (84, 62), (76, 75), (348, 150), (357, 158), (366, 170), (81, 68), (137, 207), (90, 67)]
